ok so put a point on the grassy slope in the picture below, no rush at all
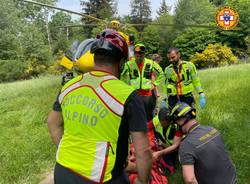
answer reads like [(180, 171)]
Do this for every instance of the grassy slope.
[(228, 108), (27, 152)]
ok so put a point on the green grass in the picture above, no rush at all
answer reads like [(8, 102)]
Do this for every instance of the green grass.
[(228, 109), (27, 151)]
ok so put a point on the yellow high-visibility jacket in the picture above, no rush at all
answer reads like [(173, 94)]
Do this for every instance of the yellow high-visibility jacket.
[(170, 132), (182, 80), (142, 80), (92, 106)]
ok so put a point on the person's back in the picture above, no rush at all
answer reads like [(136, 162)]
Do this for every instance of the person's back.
[(204, 148), (92, 118), (93, 108)]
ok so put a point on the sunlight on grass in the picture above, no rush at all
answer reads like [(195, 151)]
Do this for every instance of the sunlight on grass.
[(27, 151)]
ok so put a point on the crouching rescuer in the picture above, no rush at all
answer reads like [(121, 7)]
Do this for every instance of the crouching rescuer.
[(92, 118)]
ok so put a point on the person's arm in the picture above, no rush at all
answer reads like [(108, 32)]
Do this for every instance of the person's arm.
[(170, 149), (143, 155), (197, 84), (188, 174), (165, 80), (131, 167), (124, 76), (135, 116), (55, 125), (195, 79), (187, 159), (55, 122), (159, 78)]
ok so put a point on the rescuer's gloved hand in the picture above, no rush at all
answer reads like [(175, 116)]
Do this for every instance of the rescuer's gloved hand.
[(202, 100), (163, 103)]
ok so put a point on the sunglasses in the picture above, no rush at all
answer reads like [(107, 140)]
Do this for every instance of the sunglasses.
[(140, 50), (141, 53)]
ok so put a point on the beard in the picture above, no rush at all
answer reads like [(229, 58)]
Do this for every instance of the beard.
[(175, 62)]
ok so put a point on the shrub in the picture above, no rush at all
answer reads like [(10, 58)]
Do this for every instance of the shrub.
[(213, 56), (194, 40), (11, 70), (56, 68)]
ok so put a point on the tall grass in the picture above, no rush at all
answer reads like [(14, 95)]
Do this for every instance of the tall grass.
[(228, 109), (25, 147), (27, 152)]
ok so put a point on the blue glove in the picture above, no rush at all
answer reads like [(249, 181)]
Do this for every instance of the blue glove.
[(163, 103), (202, 100)]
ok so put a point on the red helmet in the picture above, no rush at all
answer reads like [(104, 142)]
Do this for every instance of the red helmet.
[(111, 41)]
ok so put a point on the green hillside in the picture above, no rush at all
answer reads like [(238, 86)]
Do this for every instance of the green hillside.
[(27, 151)]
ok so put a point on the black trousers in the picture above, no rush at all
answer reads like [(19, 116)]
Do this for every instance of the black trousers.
[(188, 98), (64, 176)]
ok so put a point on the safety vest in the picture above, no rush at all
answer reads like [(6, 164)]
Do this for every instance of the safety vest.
[(92, 106), (142, 80), (183, 79), (170, 132)]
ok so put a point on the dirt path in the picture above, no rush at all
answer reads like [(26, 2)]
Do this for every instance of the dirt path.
[(48, 178)]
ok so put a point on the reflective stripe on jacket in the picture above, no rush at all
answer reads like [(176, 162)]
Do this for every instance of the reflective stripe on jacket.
[(142, 80), (182, 79), (92, 106)]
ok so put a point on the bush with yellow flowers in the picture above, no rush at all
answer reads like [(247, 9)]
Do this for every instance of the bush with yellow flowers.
[(214, 55)]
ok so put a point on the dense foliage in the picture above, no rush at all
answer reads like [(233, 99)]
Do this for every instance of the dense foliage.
[(32, 37), (213, 56), (140, 12)]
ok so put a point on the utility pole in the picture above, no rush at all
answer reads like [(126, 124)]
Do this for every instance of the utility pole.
[(67, 32)]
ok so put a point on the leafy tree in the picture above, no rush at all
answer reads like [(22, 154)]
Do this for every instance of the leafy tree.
[(151, 39), (10, 27), (167, 35), (159, 38), (164, 9), (237, 39), (193, 12), (77, 33), (140, 12), (102, 9), (21, 42), (58, 19), (38, 15), (60, 36), (11, 70), (194, 40), (247, 40), (36, 53), (218, 2), (213, 56)]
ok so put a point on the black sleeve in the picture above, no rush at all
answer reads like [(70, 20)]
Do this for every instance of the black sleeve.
[(135, 114), (57, 105), (186, 154), (133, 119)]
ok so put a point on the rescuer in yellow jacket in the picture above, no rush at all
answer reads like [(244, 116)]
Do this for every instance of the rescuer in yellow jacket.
[(92, 118), (169, 136), (181, 80), (144, 75)]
